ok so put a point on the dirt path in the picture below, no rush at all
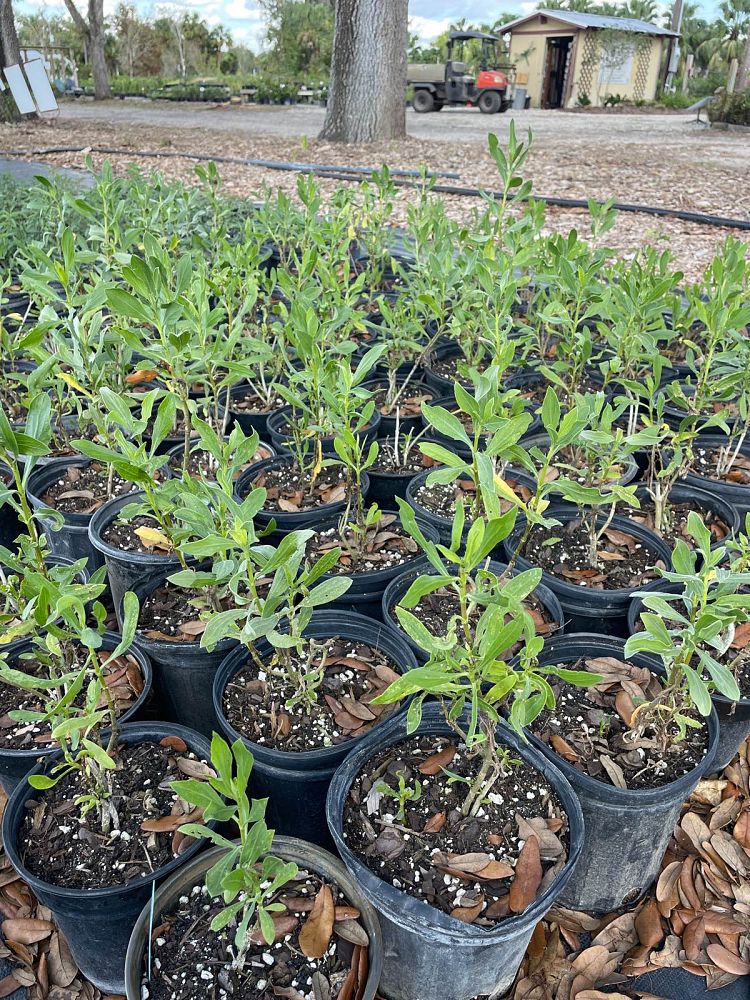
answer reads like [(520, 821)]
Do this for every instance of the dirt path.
[(653, 159)]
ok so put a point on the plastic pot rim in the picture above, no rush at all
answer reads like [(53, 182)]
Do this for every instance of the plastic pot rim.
[(102, 892), (568, 590), (144, 662), (599, 789), (329, 621), (289, 849), (437, 922)]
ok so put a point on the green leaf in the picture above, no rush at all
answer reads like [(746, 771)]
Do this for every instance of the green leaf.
[(445, 423)]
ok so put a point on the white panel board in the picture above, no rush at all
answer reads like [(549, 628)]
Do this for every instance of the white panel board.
[(36, 74), (19, 89)]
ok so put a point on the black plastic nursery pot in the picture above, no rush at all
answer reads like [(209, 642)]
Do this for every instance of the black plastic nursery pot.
[(307, 857), (401, 583), (629, 472), (442, 385), (125, 570), (248, 420), (701, 500), (287, 521), (736, 494), (16, 764), (296, 783), (734, 716), (429, 955), (442, 524), (627, 829), (97, 923), (183, 673), (72, 539), (280, 438), (588, 610), (416, 387), (10, 526), (386, 486), (365, 596)]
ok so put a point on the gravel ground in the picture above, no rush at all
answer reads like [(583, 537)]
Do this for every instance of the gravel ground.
[(655, 159)]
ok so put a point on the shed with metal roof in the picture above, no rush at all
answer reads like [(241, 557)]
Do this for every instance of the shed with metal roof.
[(568, 58)]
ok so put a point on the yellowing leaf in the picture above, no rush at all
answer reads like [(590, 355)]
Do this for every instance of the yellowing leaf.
[(69, 380), (153, 539)]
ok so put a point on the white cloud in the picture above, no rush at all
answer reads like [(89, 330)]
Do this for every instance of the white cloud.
[(428, 28)]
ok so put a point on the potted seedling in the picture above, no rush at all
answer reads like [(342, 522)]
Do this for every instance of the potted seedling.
[(592, 559), (136, 533), (464, 582), (265, 913), (637, 743), (373, 543), (298, 687), (218, 537), (323, 396), (94, 869), (457, 774), (54, 667), (471, 445), (709, 584)]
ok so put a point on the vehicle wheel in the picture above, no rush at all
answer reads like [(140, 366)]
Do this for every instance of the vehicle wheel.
[(490, 102), (423, 101)]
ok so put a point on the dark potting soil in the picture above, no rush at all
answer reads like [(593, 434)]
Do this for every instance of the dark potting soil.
[(408, 404), (384, 546), (479, 869), (707, 459), (123, 678), (59, 847), (563, 551), (574, 464), (84, 489), (202, 465), (442, 498), (173, 614), (195, 963), (123, 535), (590, 728), (675, 524), (287, 490), (387, 460), (354, 673), (436, 609), (251, 402), (452, 367)]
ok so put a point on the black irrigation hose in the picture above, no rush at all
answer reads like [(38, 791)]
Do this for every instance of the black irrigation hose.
[(344, 174), (671, 213), (321, 169)]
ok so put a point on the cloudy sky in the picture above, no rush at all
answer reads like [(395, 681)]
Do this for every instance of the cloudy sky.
[(245, 19)]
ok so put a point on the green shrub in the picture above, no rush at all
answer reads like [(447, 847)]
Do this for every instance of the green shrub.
[(734, 109)]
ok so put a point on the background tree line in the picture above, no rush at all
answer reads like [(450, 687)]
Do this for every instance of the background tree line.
[(299, 38)]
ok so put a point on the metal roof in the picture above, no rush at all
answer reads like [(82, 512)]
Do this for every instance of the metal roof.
[(581, 19), (457, 35)]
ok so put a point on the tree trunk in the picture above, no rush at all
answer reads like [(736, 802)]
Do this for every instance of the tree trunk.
[(743, 77), (99, 71), (367, 96), (9, 56)]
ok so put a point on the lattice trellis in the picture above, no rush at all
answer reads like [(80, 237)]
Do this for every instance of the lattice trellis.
[(588, 61), (641, 73)]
